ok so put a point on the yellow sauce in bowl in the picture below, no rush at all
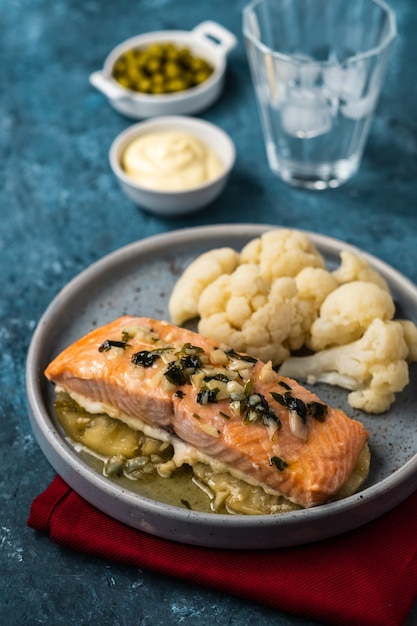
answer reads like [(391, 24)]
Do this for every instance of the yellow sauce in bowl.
[(170, 161)]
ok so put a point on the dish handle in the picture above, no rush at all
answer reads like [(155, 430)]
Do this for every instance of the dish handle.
[(101, 82), (224, 40)]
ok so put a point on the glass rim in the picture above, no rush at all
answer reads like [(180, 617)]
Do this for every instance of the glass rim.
[(374, 51)]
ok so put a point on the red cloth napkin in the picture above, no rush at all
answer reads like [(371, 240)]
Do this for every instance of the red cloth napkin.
[(365, 577)]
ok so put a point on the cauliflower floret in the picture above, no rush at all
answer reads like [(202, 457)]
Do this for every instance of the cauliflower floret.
[(313, 285), (281, 252), (354, 267), (183, 303), (378, 397), (347, 312), (373, 367), (410, 336), (247, 314)]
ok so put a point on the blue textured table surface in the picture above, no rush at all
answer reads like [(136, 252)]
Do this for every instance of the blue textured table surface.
[(61, 209)]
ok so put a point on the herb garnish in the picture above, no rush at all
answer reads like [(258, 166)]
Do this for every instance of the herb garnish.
[(207, 396), (292, 404), (175, 374), (219, 376), (242, 357), (189, 348), (190, 362), (317, 410), (314, 409), (256, 409), (179, 372), (145, 358), (279, 463), (110, 343)]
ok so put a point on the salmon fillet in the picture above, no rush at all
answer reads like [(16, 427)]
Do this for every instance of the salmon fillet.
[(236, 411)]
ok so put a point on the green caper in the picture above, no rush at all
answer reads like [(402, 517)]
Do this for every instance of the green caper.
[(113, 466), (131, 465), (133, 73), (197, 64), (176, 84), (184, 54), (157, 89), (171, 52), (157, 79), (201, 76), (153, 65), (144, 85), (141, 59), (172, 69), (155, 49), (125, 82), (120, 65)]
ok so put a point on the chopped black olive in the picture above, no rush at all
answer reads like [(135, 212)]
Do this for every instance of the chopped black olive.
[(179, 393), (284, 384), (279, 463), (145, 358), (110, 343)]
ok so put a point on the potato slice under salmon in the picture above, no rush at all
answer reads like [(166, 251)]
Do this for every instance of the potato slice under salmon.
[(236, 412)]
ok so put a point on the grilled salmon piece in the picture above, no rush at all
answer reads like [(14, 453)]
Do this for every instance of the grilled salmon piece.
[(306, 462), (237, 412), (97, 368)]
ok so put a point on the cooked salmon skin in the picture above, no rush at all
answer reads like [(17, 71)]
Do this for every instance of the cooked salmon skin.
[(235, 411)]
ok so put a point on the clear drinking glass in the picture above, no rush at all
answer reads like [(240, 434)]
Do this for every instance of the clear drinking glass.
[(317, 68)]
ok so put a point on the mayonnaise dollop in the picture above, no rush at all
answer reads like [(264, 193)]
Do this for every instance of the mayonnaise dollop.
[(170, 161)]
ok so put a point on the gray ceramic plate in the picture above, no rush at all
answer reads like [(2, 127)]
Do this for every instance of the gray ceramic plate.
[(138, 280)]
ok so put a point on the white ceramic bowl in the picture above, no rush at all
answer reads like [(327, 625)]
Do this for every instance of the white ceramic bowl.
[(174, 202), (209, 40)]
